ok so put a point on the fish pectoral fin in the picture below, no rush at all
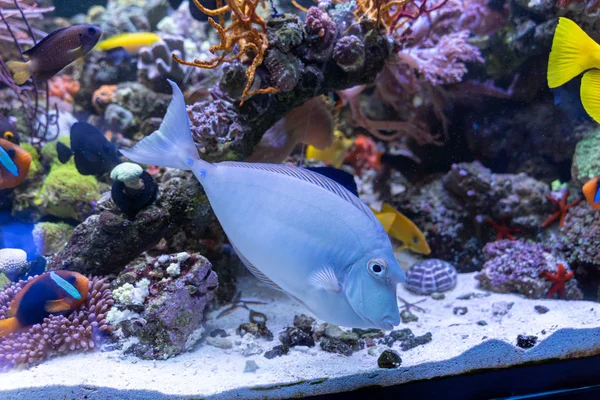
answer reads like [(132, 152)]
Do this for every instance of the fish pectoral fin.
[(590, 85), (386, 220), (325, 279), (57, 306), (75, 51)]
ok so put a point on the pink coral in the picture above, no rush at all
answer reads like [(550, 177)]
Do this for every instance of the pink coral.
[(81, 330)]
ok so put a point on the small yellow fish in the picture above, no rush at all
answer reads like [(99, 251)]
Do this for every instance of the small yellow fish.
[(132, 42), (398, 226), (333, 154)]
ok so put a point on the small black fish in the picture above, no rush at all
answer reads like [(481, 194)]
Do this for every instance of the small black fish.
[(8, 131), (54, 52), (195, 11), (342, 177), (94, 154), (117, 56)]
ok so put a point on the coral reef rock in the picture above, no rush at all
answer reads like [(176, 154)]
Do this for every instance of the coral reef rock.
[(517, 267), (162, 303)]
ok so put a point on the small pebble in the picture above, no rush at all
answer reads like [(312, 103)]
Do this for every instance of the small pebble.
[(416, 341), (220, 342), (389, 359), (373, 351), (293, 336), (250, 366), (526, 342), (333, 331), (402, 334), (388, 341), (333, 345), (277, 351), (438, 296), (218, 332), (501, 308), (482, 323), (303, 321), (460, 310), (369, 333), (541, 309), (407, 317)]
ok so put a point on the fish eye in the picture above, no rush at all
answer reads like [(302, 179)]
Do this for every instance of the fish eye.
[(8, 135), (377, 267), (415, 239), (92, 31)]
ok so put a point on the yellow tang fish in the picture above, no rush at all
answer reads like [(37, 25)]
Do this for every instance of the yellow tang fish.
[(398, 226), (132, 42), (333, 154), (573, 52)]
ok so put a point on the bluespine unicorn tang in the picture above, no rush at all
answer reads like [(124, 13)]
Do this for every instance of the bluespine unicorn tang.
[(296, 230)]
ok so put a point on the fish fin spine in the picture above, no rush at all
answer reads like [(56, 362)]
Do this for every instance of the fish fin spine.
[(21, 70), (590, 87), (8, 326), (57, 306), (573, 52), (325, 279), (172, 144)]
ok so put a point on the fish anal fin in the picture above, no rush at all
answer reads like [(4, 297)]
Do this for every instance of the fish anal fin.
[(8, 326), (57, 306), (325, 279), (590, 87)]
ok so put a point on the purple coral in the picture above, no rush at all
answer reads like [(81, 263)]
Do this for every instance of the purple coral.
[(81, 330), (319, 32), (349, 53), (516, 267), (215, 126)]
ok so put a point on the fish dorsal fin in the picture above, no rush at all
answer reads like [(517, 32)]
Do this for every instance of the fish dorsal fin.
[(66, 286), (387, 220), (339, 176), (7, 162), (307, 176), (255, 271), (41, 42), (325, 279)]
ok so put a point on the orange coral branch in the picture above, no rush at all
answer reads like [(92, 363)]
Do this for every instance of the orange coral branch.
[(247, 29)]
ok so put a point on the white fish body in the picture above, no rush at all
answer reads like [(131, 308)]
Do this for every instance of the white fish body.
[(296, 230)]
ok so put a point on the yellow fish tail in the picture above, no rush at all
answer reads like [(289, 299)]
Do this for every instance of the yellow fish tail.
[(573, 52), (590, 93), (20, 70)]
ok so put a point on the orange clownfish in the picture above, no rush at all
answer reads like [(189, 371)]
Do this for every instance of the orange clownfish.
[(14, 164), (592, 193), (55, 292)]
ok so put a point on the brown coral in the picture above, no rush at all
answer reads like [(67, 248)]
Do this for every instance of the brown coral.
[(247, 30), (81, 330)]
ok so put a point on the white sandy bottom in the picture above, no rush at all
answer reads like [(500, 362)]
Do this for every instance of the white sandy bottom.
[(459, 345)]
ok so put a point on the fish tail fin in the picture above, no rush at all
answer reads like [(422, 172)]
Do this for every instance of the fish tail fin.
[(573, 51), (590, 87), (20, 70), (172, 144), (8, 326)]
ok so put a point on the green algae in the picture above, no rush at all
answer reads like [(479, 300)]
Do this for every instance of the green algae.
[(35, 168), (66, 193), (586, 163), (51, 237)]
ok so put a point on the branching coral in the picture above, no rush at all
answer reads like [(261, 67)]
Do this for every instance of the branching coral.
[(247, 30), (82, 330)]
